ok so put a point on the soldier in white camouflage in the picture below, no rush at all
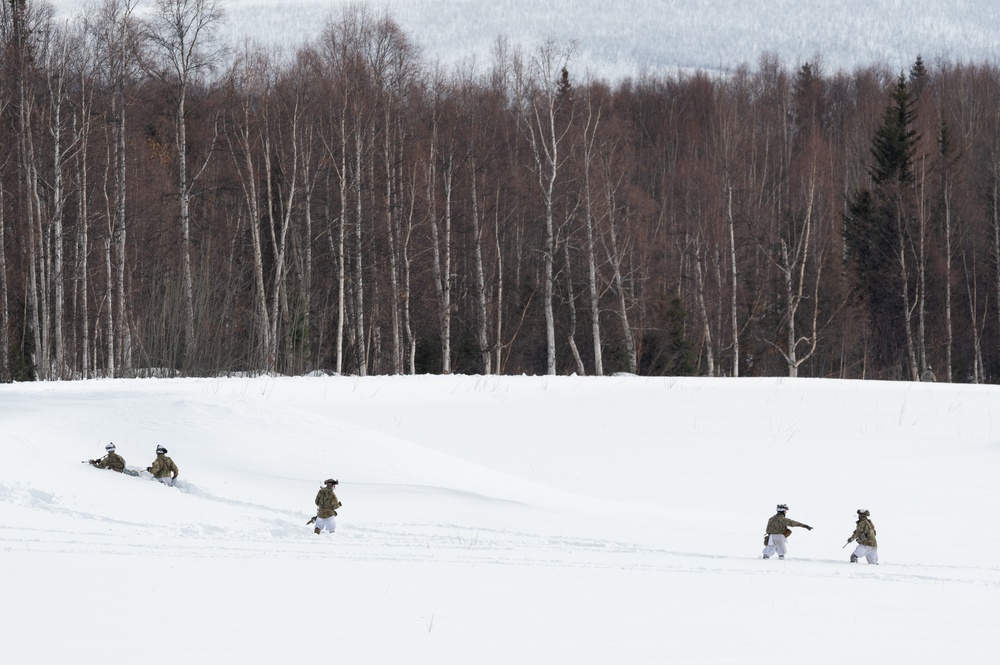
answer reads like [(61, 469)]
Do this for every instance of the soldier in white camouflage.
[(112, 460), (864, 535), (326, 507), (163, 468), (777, 531)]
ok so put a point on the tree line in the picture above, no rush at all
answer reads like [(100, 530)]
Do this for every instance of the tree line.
[(170, 205)]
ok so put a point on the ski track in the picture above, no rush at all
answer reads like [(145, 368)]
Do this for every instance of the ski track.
[(279, 536), (458, 544)]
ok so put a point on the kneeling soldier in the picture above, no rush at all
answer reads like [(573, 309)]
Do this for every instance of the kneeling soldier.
[(112, 460), (163, 468)]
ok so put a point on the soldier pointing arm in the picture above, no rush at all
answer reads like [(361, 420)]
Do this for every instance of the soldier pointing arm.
[(777, 531)]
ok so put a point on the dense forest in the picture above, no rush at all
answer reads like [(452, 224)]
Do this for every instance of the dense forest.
[(174, 206)]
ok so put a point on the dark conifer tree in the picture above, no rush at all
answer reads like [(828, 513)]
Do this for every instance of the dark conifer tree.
[(876, 225), (895, 140)]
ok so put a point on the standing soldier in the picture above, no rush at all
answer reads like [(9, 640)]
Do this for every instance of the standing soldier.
[(778, 531), (326, 507), (864, 534), (163, 468), (112, 460)]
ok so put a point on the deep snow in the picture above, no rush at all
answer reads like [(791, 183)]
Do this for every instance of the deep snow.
[(498, 520)]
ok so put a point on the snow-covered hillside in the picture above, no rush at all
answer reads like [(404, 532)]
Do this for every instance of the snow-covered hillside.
[(497, 520), (630, 37)]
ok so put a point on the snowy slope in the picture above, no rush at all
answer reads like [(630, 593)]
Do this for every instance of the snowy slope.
[(497, 520), (630, 37)]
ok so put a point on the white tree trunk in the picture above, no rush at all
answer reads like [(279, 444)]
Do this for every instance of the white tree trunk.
[(996, 236), (441, 246), (393, 230), (703, 309), (359, 290), (5, 373), (615, 259), (482, 330), (594, 302), (734, 281)]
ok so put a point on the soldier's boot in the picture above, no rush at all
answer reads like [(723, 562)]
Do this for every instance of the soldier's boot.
[(854, 559), (317, 531), (781, 556), (766, 556)]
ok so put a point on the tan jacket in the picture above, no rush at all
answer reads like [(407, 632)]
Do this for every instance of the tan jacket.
[(326, 503), (778, 523), (864, 533), (163, 466), (112, 461)]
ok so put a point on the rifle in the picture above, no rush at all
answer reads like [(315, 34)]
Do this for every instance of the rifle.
[(313, 520)]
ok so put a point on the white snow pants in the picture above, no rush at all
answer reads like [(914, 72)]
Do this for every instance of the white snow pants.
[(167, 480), (775, 543), (328, 523), (869, 553)]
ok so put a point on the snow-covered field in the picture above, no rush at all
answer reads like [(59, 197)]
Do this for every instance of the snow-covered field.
[(498, 520), (627, 38)]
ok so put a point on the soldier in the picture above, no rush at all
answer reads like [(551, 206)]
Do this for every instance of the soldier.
[(778, 531), (864, 534), (163, 468), (326, 507), (112, 460)]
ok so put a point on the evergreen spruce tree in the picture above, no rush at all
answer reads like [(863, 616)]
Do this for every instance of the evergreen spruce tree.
[(876, 225), (918, 78), (895, 140)]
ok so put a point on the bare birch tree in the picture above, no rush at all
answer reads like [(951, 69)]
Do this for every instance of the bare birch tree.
[(25, 22), (182, 34), (594, 111), (537, 85), (114, 32), (441, 159), (251, 83), (5, 373), (795, 257)]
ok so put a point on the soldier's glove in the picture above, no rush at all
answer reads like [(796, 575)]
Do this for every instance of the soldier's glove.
[(808, 527), (150, 469)]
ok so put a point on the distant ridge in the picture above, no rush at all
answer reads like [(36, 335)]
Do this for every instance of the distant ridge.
[(647, 36)]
